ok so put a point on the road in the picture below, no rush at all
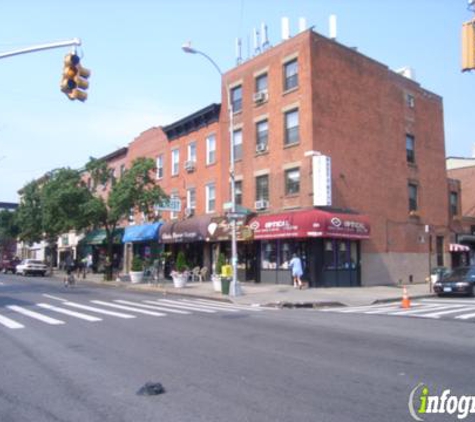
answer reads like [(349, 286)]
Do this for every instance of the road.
[(215, 363)]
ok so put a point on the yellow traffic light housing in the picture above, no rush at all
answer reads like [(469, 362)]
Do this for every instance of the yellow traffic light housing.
[(468, 46), (75, 78)]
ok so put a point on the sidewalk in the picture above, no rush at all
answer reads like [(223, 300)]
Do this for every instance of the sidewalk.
[(277, 295)]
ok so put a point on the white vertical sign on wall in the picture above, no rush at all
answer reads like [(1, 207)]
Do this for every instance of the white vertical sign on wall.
[(322, 181)]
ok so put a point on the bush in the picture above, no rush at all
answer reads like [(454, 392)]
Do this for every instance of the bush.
[(181, 264), (137, 264)]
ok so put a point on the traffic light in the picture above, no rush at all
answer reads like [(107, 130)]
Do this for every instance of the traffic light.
[(468, 45), (75, 78)]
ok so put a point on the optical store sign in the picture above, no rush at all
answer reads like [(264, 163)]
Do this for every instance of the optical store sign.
[(424, 403)]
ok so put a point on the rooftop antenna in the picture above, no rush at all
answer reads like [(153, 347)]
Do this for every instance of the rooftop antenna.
[(332, 23), (238, 51), (285, 29), (302, 24), (264, 38), (257, 48)]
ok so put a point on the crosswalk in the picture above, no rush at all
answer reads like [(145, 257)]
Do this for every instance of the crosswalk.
[(463, 309), (55, 310)]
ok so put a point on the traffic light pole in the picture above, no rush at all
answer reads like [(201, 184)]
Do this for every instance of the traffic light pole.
[(33, 49)]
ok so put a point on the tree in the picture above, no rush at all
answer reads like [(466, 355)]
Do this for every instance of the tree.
[(135, 190), (8, 233), (29, 214)]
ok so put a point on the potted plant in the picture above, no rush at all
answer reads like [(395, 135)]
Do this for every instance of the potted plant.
[(180, 274), (216, 277), (136, 270)]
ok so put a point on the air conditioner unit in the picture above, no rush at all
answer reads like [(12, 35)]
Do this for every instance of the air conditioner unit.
[(189, 212), (189, 166), (260, 97), (262, 204), (261, 147)]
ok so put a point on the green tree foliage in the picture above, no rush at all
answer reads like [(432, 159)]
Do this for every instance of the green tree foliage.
[(29, 215)]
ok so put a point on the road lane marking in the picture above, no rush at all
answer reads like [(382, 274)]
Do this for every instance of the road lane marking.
[(426, 308), (128, 308), (360, 308), (179, 305), (85, 317), (35, 315), (99, 310), (54, 297), (450, 311), (158, 308), (449, 301), (9, 323), (206, 306), (465, 316), (229, 305)]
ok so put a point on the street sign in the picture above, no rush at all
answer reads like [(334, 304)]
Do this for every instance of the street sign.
[(174, 205), (235, 215)]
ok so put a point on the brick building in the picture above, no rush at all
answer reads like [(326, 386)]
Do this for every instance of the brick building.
[(308, 104)]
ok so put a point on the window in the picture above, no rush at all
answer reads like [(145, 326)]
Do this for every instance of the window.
[(175, 162), (439, 245), (159, 165), (236, 99), (262, 135), (174, 195), (210, 197), (192, 152), (292, 181), (291, 127), (291, 76), (237, 144), (262, 188), (413, 206), (191, 198), (122, 169), (238, 192), (269, 254), (410, 153), (410, 100), (454, 203), (261, 83), (211, 149)]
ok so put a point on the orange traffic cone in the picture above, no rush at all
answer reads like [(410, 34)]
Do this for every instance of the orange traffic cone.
[(406, 302)]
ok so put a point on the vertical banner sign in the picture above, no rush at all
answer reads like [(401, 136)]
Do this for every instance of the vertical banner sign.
[(322, 181)]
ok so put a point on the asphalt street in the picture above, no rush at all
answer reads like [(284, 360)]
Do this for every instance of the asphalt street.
[(217, 362)]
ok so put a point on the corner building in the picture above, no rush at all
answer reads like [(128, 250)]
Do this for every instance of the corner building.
[(383, 133)]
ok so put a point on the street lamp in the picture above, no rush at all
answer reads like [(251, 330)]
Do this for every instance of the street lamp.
[(235, 287)]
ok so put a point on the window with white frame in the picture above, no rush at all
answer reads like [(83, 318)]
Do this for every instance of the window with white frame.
[(159, 164), (237, 144), (262, 135), (291, 75), (210, 197), (261, 83), (211, 149), (292, 181), (175, 162), (292, 127), (262, 188), (174, 214), (191, 198), (236, 99), (192, 152)]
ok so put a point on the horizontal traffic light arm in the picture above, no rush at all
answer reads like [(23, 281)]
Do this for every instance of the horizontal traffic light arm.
[(33, 49)]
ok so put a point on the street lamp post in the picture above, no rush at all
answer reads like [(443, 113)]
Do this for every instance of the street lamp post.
[(235, 287)]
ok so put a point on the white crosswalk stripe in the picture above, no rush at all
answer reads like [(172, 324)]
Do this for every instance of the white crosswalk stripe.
[(35, 315), (424, 308), (118, 308), (68, 312)]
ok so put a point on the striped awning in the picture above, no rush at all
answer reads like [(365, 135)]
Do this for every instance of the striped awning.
[(457, 247)]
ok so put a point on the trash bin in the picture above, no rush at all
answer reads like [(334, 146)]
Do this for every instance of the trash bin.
[(225, 283)]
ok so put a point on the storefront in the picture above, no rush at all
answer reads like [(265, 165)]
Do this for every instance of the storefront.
[(328, 243), (95, 243), (460, 255), (141, 240)]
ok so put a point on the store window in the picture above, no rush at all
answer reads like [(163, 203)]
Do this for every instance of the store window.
[(340, 254), (269, 255)]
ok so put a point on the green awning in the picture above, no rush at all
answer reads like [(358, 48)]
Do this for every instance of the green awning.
[(98, 237)]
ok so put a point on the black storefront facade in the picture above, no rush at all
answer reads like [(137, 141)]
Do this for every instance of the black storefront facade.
[(328, 243)]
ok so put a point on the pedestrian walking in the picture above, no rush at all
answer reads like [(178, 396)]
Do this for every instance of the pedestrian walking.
[(295, 265)]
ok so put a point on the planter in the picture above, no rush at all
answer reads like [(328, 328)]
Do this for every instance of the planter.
[(136, 277), (216, 279), (179, 280)]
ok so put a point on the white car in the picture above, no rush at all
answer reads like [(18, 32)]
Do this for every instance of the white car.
[(31, 266)]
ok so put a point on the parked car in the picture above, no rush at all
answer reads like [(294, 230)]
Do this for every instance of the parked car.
[(9, 265), (31, 266), (459, 281), (438, 273)]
